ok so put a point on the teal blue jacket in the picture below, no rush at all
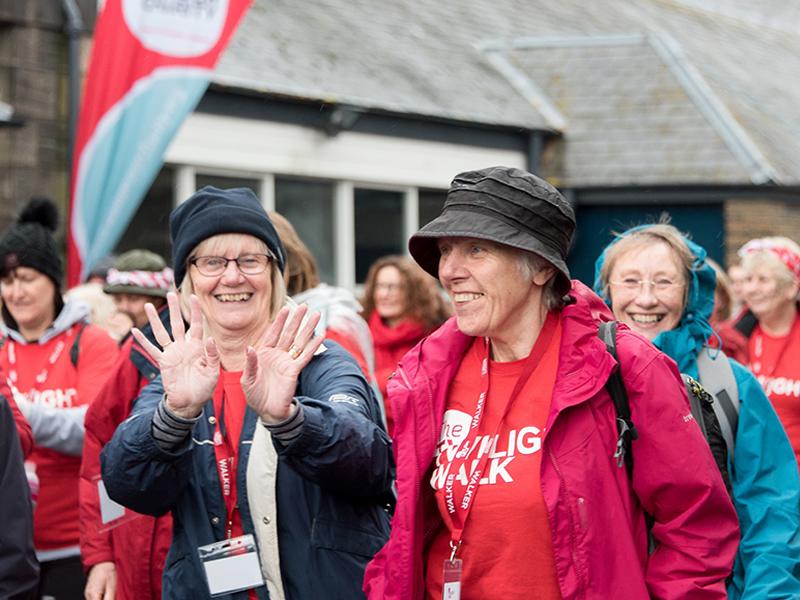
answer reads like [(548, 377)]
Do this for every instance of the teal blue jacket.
[(764, 472)]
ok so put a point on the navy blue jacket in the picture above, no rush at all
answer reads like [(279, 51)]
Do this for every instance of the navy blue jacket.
[(19, 571), (331, 488)]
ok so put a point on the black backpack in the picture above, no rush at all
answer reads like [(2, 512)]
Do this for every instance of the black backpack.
[(702, 407)]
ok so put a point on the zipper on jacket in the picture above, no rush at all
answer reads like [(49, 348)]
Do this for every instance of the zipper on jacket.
[(573, 543)]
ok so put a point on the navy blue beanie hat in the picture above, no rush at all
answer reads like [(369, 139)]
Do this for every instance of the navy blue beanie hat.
[(211, 211)]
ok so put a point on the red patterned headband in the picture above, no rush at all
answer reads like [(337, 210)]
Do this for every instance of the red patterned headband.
[(156, 280), (788, 257)]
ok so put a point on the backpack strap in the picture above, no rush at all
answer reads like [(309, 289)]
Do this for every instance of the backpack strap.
[(616, 389), (716, 375), (75, 349)]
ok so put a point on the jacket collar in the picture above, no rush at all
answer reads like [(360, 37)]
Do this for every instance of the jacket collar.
[(583, 369), (584, 365)]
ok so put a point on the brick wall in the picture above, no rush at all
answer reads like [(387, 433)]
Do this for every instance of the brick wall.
[(34, 80), (746, 219)]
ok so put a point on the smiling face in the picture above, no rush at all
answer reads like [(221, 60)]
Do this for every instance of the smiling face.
[(490, 295), (390, 294), (767, 294), (233, 303), (656, 303), (29, 296)]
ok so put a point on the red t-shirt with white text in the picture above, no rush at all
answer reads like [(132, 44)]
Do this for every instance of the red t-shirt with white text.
[(775, 361), (506, 545)]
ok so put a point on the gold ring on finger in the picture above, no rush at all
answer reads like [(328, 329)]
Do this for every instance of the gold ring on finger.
[(294, 351)]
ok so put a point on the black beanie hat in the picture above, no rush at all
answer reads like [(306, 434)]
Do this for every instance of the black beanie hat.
[(29, 242), (211, 211)]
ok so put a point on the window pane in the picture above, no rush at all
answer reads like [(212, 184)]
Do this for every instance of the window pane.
[(430, 205), (149, 228), (224, 182), (309, 207), (379, 227)]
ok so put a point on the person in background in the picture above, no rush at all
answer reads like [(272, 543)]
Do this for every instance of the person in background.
[(723, 295), (252, 429), (766, 337), (124, 560), (737, 276), (97, 274), (19, 571), (339, 310), (661, 285), (56, 362), (509, 480), (402, 305), (102, 311)]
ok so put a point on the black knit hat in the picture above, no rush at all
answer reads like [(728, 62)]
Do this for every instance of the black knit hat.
[(211, 211), (29, 242), (503, 205)]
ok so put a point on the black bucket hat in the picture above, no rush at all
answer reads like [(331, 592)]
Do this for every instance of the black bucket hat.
[(503, 205)]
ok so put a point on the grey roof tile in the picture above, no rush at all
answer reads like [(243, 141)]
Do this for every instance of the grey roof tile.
[(423, 57)]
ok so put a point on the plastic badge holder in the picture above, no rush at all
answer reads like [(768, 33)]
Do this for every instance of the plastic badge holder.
[(112, 514), (231, 565)]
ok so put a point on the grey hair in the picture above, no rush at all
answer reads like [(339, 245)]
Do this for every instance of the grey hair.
[(529, 265)]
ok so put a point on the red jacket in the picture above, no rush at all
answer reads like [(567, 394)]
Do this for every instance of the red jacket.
[(391, 343), (138, 546), (597, 521)]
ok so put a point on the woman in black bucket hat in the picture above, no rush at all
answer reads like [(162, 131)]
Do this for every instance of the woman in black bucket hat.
[(505, 437)]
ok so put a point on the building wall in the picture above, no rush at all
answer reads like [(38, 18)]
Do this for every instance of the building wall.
[(746, 219), (33, 79)]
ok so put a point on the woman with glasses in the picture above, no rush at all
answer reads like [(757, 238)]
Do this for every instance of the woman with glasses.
[(660, 284), (402, 305), (264, 444)]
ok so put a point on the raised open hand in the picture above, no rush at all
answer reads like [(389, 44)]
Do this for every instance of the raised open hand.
[(189, 367), (270, 374)]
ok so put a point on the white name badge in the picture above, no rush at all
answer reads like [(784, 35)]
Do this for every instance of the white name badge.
[(109, 510), (231, 565), (451, 585)]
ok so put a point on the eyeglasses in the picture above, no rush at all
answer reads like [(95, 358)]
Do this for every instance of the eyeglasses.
[(635, 285), (248, 264), (389, 287)]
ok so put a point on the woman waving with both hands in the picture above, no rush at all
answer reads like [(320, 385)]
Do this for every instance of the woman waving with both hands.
[(266, 445)]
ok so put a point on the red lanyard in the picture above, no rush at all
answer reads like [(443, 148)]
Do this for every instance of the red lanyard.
[(225, 452), (459, 511)]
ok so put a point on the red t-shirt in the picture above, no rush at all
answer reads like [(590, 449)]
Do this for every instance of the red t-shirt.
[(506, 545), (46, 375), (775, 361)]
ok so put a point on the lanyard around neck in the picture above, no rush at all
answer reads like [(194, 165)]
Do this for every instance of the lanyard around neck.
[(459, 511)]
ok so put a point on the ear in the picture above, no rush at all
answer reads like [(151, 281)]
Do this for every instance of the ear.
[(792, 290), (544, 275)]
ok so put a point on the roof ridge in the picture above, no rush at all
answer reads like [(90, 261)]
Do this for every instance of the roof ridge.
[(735, 137)]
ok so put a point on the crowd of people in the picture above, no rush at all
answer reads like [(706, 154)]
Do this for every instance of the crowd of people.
[(476, 425)]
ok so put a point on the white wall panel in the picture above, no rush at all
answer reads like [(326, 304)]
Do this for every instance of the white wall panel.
[(212, 141)]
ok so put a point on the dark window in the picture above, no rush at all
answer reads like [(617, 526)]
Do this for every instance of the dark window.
[(379, 227), (149, 227), (597, 223), (224, 182), (308, 205), (430, 205)]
